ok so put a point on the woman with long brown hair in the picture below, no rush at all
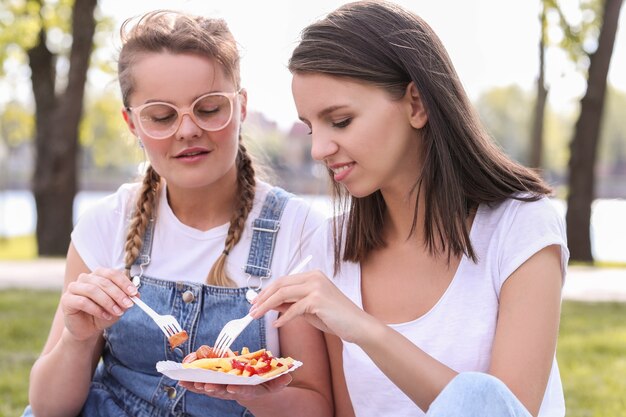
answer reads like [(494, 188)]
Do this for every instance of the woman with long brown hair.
[(446, 258)]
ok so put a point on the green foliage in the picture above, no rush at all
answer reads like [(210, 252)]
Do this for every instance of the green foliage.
[(104, 136), (17, 124), (20, 23), (22, 20), (574, 29), (557, 132), (506, 113), (612, 152)]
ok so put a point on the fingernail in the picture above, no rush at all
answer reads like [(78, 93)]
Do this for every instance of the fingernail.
[(107, 316), (117, 310), (127, 302), (253, 310), (230, 390), (132, 290), (209, 390)]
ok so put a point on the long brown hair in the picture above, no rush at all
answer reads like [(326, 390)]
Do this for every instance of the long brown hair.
[(382, 44), (166, 31)]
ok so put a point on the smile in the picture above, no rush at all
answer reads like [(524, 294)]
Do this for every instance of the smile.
[(341, 171)]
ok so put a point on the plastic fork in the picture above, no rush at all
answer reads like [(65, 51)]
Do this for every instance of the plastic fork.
[(167, 323), (233, 328)]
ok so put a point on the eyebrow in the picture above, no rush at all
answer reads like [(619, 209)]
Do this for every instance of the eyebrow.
[(156, 100), (326, 111)]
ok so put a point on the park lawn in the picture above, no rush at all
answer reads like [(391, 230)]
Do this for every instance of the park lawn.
[(26, 317), (591, 352)]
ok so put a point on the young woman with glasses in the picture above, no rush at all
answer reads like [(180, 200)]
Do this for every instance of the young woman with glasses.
[(196, 235), (448, 264)]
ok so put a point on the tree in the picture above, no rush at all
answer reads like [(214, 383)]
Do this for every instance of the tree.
[(505, 113), (58, 76), (16, 129), (572, 38), (536, 140), (584, 145)]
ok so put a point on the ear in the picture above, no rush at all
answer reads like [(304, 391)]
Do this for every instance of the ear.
[(418, 115), (244, 104), (129, 121)]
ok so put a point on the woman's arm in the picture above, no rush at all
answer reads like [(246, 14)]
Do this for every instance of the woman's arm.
[(527, 328), (341, 397), (61, 377), (309, 389), (524, 342)]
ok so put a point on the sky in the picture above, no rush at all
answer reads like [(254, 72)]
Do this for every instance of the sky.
[(491, 43)]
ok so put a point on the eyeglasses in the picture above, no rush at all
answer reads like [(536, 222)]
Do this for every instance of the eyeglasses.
[(160, 120)]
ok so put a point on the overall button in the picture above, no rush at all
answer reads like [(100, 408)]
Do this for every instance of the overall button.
[(170, 391), (188, 296)]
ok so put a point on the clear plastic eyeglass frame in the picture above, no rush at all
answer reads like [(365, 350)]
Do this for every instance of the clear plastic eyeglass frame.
[(181, 112)]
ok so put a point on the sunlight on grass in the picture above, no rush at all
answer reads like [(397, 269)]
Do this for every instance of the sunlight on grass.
[(592, 358)]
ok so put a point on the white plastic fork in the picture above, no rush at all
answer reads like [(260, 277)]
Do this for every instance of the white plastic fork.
[(167, 323), (233, 328)]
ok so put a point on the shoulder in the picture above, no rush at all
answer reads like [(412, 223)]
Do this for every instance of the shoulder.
[(115, 206), (522, 228), (98, 234), (515, 214)]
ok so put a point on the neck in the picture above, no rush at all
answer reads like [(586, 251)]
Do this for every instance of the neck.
[(206, 207), (400, 213)]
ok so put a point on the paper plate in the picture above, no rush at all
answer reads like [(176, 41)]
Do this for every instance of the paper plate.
[(176, 371)]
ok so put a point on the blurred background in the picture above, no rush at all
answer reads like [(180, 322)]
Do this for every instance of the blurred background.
[(548, 78)]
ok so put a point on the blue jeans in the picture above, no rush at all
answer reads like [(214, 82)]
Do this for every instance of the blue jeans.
[(476, 394)]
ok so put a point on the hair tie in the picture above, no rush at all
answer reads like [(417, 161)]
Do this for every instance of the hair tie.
[(225, 252)]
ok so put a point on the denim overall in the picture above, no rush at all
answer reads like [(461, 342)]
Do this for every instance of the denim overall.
[(126, 382)]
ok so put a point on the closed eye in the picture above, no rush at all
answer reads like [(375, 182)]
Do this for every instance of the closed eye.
[(342, 123)]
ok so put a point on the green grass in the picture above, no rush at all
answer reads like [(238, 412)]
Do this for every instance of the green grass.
[(592, 358), (26, 317), (591, 352), (18, 248)]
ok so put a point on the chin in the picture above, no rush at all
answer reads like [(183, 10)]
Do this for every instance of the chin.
[(358, 192)]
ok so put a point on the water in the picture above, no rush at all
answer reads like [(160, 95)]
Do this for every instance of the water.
[(608, 222)]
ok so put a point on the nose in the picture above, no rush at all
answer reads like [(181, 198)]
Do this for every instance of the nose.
[(188, 128), (322, 146)]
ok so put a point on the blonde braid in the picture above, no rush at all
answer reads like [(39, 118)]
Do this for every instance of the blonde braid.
[(144, 209), (246, 185)]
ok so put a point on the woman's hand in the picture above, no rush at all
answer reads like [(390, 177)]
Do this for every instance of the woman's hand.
[(313, 296), (239, 393), (95, 301)]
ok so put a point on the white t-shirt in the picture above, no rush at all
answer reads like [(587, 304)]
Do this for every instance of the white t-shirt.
[(459, 330), (182, 253)]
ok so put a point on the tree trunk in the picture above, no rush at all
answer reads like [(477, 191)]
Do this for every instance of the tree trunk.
[(584, 144), (536, 142), (57, 118)]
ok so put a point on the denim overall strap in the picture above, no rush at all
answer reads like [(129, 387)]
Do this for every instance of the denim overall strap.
[(146, 248), (264, 232)]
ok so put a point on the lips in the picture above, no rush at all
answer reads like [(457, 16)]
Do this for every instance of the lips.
[(341, 170), (191, 152)]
